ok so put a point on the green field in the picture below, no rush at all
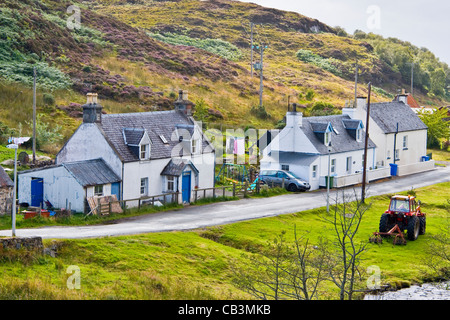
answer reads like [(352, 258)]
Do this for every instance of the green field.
[(198, 264)]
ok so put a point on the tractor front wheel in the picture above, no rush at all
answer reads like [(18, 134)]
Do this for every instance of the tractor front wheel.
[(413, 228)]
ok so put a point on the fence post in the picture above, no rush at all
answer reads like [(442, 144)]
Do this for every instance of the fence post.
[(139, 204), (245, 189), (234, 189), (223, 188), (282, 182), (214, 193), (258, 186)]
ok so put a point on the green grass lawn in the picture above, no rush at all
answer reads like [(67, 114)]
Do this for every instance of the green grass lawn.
[(439, 154), (198, 264)]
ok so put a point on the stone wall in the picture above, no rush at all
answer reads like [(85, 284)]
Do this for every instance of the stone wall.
[(31, 243), (6, 194)]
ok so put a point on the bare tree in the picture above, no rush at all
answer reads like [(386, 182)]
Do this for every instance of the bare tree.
[(284, 270), (344, 262), (437, 256)]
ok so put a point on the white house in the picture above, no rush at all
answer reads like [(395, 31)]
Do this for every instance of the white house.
[(68, 184), (310, 147), (151, 153), (399, 134)]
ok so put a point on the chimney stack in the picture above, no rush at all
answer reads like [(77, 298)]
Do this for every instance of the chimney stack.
[(294, 118), (92, 111), (183, 104)]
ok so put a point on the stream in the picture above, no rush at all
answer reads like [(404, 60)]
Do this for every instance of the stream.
[(427, 291)]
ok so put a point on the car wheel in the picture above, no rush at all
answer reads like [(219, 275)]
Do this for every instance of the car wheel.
[(292, 188)]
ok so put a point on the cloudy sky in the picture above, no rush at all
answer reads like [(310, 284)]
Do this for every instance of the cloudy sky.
[(424, 23)]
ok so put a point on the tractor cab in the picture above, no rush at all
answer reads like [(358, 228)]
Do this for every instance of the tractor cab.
[(403, 204)]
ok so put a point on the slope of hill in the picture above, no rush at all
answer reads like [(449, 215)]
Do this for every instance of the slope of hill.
[(137, 54)]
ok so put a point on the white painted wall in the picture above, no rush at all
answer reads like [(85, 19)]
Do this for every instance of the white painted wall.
[(59, 185), (151, 169), (89, 143)]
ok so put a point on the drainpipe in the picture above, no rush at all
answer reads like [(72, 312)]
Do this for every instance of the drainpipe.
[(395, 142)]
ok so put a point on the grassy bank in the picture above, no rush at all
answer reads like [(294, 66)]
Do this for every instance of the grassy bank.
[(198, 264)]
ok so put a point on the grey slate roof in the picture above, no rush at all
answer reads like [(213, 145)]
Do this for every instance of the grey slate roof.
[(176, 166), (156, 123), (91, 172), (133, 136), (388, 114), (341, 141), (351, 124), (5, 180)]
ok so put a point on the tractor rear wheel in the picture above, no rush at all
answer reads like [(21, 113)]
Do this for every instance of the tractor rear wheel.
[(423, 225), (385, 225), (413, 228)]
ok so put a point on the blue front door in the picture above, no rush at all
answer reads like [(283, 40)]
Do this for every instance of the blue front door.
[(37, 192), (115, 189), (186, 187)]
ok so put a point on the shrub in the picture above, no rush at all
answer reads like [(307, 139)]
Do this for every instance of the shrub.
[(260, 112), (216, 46), (323, 63), (49, 99)]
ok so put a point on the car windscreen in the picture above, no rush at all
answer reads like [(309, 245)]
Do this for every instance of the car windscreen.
[(293, 175)]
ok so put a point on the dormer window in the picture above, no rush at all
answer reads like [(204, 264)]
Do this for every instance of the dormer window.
[(323, 131), (354, 128), (138, 142)]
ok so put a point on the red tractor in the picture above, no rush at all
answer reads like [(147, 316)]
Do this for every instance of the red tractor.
[(403, 214)]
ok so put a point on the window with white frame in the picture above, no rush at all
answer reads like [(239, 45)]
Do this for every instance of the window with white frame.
[(397, 154), (194, 148), (144, 186), (358, 135), (98, 190), (327, 138), (285, 167), (314, 171), (170, 183), (333, 166), (145, 151), (405, 142)]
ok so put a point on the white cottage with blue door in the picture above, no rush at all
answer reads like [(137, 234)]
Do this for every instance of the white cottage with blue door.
[(151, 153), (67, 184)]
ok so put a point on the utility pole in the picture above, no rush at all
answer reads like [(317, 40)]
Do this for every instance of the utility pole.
[(412, 78), (34, 115), (261, 86), (251, 46), (363, 192), (356, 83)]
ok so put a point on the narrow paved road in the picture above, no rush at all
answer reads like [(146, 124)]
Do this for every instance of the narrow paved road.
[(193, 217)]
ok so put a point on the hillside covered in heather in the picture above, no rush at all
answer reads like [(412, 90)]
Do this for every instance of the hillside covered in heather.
[(137, 54)]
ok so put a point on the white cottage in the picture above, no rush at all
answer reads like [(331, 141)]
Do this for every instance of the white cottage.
[(400, 135), (151, 153), (311, 147)]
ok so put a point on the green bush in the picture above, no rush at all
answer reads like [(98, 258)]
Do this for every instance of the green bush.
[(216, 46), (323, 63)]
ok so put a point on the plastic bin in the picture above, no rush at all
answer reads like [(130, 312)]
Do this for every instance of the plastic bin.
[(394, 169)]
